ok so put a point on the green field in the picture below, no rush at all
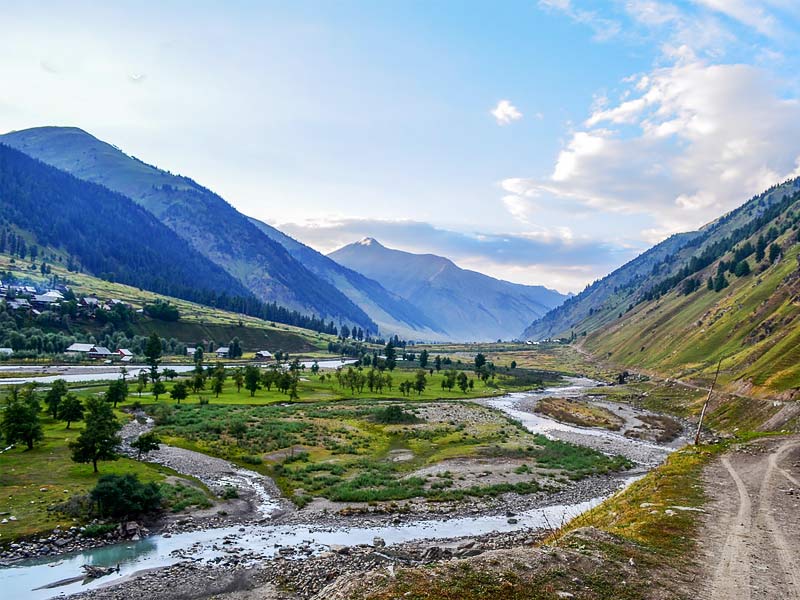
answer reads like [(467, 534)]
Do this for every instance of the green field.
[(345, 452), (31, 481)]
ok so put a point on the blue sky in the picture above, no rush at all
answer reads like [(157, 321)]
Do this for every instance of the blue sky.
[(542, 142)]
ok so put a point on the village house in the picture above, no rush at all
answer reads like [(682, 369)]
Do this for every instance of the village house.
[(223, 352), (90, 350), (125, 355), (263, 355)]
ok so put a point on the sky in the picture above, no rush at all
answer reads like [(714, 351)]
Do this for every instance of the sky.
[(540, 142)]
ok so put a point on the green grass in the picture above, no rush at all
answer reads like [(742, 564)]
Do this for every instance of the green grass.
[(639, 513), (48, 466), (312, 389), (341, 451)]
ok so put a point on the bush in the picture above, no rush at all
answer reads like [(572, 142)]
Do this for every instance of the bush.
[(125, 496), (98, 530), (163, 311), (229, 493), (162, 413), (252, 460), (393, 415), (179, 496)]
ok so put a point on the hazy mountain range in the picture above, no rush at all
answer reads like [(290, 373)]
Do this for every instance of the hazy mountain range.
[(444, 303), (466, 304)]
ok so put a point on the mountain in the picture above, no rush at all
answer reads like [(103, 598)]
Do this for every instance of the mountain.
[(200, 217), (393, 314), (465, 304), (103, 231), (729, 291)]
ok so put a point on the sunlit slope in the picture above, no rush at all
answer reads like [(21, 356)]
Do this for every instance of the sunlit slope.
[(753, 324), (660, 269)]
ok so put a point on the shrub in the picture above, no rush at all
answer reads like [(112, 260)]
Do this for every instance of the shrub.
[(229, 493), (98, 529), (252, 460), (180, 496), (163, 413), (393, 415), (124, 495)]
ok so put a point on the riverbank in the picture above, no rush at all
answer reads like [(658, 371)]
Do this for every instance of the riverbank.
[(249, 536), (286, 577)]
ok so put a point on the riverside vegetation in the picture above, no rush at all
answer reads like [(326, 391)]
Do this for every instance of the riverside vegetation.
[(331, 441)]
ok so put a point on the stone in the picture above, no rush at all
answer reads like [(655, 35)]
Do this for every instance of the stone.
[(131, 526), (378, 542)]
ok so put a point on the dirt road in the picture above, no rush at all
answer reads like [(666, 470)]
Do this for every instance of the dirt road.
[(750, 540)]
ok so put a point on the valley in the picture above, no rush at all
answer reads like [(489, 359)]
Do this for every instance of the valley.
[(460, 461), (360, 300)]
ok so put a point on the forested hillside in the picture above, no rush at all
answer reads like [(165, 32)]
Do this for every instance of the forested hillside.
[(110, 236), (200, 217), (730, 291)]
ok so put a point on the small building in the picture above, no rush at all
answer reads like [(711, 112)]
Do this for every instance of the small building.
[(100, 352), (125, 355), (90, 350), (44, 300), (79, 348), (18, 304), (264, 355), (222, 352), (6, 351), (190, 352)]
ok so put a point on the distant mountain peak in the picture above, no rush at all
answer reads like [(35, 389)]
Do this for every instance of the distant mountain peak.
[(467, 305)]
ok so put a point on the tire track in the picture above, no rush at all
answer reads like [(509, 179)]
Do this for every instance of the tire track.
[(732, 576), (782, 548)]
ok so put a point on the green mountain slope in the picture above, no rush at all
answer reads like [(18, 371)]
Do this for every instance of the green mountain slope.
[(208, 223), (102, 231), (393, 314), (731, 292), (467, 305)]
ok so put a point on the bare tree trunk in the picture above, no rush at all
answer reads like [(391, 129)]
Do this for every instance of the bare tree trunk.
[(705, 404)]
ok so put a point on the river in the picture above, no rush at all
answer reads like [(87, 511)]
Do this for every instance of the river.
[(258, 542), (87, 373)]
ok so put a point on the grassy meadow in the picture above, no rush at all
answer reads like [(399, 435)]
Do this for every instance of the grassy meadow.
[(31, 481)]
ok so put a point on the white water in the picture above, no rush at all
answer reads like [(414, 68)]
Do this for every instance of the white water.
[(263, 541)]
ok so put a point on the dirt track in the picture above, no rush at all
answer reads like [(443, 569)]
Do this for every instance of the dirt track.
[(751, 537)]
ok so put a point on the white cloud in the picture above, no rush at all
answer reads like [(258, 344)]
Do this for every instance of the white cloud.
[(505, 112), (694, 141), (748, 12), (604, 28)]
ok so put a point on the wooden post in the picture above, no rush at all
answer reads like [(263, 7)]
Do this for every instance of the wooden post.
[(705, 405)]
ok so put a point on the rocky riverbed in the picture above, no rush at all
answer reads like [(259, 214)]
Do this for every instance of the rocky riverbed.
[(239, 561), (244, 575)]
